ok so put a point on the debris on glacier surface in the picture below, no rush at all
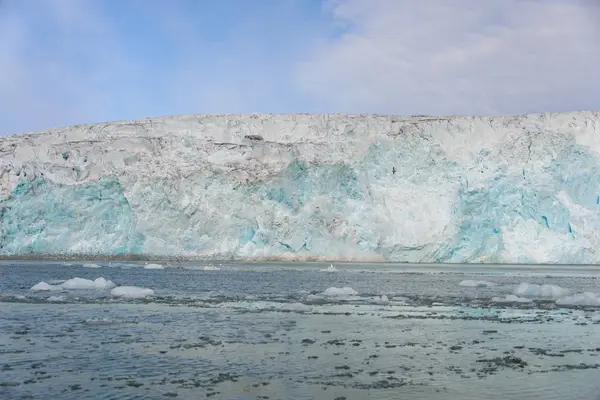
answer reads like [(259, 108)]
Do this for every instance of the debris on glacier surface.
[(541, 291), (511, 298), (131, 292), (154, 266), (580, 299), (476, 284)]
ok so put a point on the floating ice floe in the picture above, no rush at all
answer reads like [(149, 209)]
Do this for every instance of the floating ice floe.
[(331, 268), (153, 266), (87, 284), (131, 292), (541, 291), (383, 300), (91, 265), (335, 292), (99, 322), (476, 284), (43, 287), (75, 284), (580, 299), (295, 307), (511, 298), (56, 299), (211, 268)]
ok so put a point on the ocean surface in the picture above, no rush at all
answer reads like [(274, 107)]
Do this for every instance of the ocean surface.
[(299, 331)]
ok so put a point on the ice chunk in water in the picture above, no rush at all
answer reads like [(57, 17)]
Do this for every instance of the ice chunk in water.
[(99, 322), (153, 266), (580, 299), (383, 300), (56, 299), (297, 307), (43, 286), (331, 268), (541, 291), (87, 284), (345, 291), (131, 292), (511, 298), (211, 268), (472, 283), (91, 265)]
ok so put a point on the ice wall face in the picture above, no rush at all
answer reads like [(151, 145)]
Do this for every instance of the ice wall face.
[(306, 187)]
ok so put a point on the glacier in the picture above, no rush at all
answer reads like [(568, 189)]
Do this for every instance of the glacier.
[(512, 189)]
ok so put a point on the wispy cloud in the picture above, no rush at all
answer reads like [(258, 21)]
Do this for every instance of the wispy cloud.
[(458, 57)]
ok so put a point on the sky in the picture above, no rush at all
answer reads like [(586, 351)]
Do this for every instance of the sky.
[(67, 62)]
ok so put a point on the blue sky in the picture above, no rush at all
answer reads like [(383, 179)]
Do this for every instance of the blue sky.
[(65, 62)]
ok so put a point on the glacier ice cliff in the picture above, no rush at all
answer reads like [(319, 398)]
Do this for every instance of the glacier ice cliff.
[(520, 189)]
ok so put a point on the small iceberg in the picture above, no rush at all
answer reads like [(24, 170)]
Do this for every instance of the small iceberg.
[(511, 298), (541, 291), (43, 287), (131, 292), (476, 284), (87, 284), (56, 299), (581, 299), (99, 322), (295, 307), (331, 268), (336, 292), (210, 268), (75, 284), (91, 265), (153, 266), (381, 300)]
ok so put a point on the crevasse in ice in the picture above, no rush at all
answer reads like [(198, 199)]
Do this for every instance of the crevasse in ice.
[(308, 187)]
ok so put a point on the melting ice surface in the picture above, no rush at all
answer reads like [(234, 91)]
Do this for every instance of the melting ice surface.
[(520, 189)]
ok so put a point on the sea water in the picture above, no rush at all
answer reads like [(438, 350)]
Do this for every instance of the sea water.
[(298, 331)]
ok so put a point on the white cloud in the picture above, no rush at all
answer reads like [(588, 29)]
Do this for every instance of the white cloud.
[(458, 57)]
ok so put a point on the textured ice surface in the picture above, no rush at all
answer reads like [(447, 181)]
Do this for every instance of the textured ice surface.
[(131, 292), (522, 189)]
